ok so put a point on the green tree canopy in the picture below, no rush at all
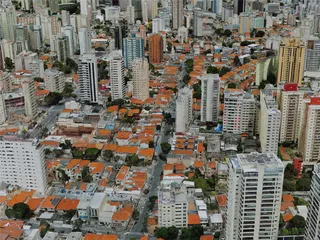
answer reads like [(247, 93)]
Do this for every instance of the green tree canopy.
[(212, 70), (53, 98), (19, 211), (165, 147), (223, 71), (298, 222), (9, 65), (85, 174)]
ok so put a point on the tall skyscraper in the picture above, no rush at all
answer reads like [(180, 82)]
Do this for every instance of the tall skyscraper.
[(290, 107), (312, 62), (177, 13), (155, 48), (144, 5), (8, 20), (130, 13), (153, 8), (270, 121), (239, 112), (198, 22), (3, 110), (30, 101), (117, 76), (140, 74), (313, 220), (61, 46), (54, 80), (84, 7), (53, 6), (133, 47), (244, 23), (88, 78), (309, 141), (158, 25), (22, 163), (184, 110), (254, 196), (84, 41), (291, 61), (69, 32), (65, 17), (239, 6), (210, 92)]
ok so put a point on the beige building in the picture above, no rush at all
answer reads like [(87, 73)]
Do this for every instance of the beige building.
[(30, 101), (309, 141), (290, 107), (291, 61), (140, 74), (54, 80)]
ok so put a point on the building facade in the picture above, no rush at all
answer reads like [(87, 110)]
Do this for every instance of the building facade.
[(30, 101), (291, 61), (177, 14), (140, 75), (155, 48), (88, 78), (54, 80), (312, 62), (210, 93), (117, 76), (254, 196), (133, 47), (184, 110)]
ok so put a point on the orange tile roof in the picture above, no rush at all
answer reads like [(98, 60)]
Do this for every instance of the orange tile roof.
[(122, 173), (191, 174), (222, 200), (67, 204), (121, 216), (111, 147), (148, 152), (201, 147), (133, 112), (168, 167), (152, 221), (286, 205), (206, 237), (96, 167), (123, 111), (287, 217), (212, 165), (3, 199), (198, 164), (50, 143), (144, 238), (77, 163), (42, 92), (34, 203), (103, 132), (183, 152), (117, 204), (287, 198), (127, 149), (50, 202), (123, 135), (18, 198), (193, 219), (91, 236), (112, 109), (103, 182)]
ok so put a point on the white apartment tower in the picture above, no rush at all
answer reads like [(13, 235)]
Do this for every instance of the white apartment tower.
[(3, 111), (62, 47), (290, 107), (69, 32), (254, 196), (22, 163), (30, 101), (240, 112), (198, 22), (210, 93), (130, 13), (117, 82), (88, 78), (158, 25), (309, 141), (184, 110), (173, 206), (177, 13), (270, 120), (140, 74), (84, 40), (313, 220), (144, 5), (54, 80)]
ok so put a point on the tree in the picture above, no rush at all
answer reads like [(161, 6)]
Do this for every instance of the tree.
[(197, 91), (298, 222), (173, 233), (271, 78), (186, 78), (53, 98), (237, 61), (303, 184), (47, 151), (245, 43), (189, 65), (100, 49), (58, 152), (162, 233), (72, 64), (119, 102), (212, 70), (62, 176), (107, 154), (38, 79), (133, 160), (151, 67), (290, 172), (289, 185), (77, 153), (246, 60), (19, 211), (165, 147), (85, 174), (92, 153), (151, 144), (196, 232), (285, 232), (9, 65), (232, 85), (67, 91), (263, 84), (169, 46), (217, 235), (219, 31), (223, 71), (227, 33), (260, 33)]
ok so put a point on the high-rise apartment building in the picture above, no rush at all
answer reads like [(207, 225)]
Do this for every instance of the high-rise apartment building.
[(309, 141), (313, 220), (254, 196), (312, 62), (173, 206), (244, 23), (177, 13), (30, 101), (184, 110), (210, 93), (22, 163), (270, 121), (130, 13), (140, 75), (133, 47), (240, 111), (144, 5), (69, 32), (61, 46), (198, 22), (54, 80), (84, 41), (53, 6), (117, 76), (88, 78), (3, 110), (158, 25), (290, 107), (291, 61), (8, 20), (155, 48)]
